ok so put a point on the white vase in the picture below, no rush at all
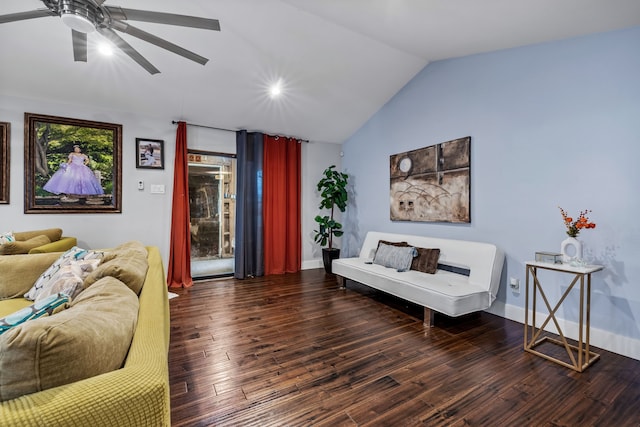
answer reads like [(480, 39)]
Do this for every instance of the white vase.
[(571, 248)]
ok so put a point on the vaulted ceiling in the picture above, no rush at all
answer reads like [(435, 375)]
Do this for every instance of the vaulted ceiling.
[(338, 61)]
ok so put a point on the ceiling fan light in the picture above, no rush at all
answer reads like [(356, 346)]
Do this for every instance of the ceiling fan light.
[(105, 49), (78, 23)]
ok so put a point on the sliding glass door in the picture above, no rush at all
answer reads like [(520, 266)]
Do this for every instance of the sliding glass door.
[(212, 196)]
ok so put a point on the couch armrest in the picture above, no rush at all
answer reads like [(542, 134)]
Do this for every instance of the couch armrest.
[(62, 245)]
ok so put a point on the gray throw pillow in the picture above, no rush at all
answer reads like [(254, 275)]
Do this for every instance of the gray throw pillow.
[(398, 257)]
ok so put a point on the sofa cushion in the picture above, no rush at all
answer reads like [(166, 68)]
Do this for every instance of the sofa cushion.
[(54, 234), (23, 246), (51, 273), (426, 261), (91, 337), (46, 307), (398, 257), (19, 272), (127, 263), (132, 245), (7, 237)]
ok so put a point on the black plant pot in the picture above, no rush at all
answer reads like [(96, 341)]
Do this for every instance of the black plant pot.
[(329, 255)]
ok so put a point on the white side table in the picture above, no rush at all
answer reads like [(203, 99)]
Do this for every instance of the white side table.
[(579, 356)]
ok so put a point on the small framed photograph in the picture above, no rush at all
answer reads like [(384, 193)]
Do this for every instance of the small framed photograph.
[(149, 153)]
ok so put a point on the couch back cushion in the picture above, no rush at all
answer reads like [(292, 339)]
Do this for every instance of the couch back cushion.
[(127, 263), (23, 246), (19, 272), (91, 337), (54, 234)]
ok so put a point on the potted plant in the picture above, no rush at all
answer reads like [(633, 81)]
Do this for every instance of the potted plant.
[(333, 191)]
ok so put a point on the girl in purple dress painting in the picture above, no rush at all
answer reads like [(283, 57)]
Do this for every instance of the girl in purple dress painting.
[(74, 177)]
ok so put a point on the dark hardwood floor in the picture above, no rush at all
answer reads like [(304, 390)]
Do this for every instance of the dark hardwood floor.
[(294, 350)]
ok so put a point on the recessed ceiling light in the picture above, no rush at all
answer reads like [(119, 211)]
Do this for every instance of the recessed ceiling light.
[(276, 89), (105, 49)]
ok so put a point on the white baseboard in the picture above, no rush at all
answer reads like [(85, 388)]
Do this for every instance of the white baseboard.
[(312, 263), (599, 338)]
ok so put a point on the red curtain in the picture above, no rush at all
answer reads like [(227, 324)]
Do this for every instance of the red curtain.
[(179, 272), (281, 205)]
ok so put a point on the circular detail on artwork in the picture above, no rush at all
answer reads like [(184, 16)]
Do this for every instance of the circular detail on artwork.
[(405, 164)]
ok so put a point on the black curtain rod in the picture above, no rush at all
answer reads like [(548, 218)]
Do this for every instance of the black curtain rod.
[(204, 126), (230, 130)]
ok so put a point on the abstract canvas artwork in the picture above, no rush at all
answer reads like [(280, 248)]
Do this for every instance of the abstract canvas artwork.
[(432, 184)]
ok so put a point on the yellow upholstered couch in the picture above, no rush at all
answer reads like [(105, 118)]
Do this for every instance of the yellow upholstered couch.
[(137, 394), (38, 242)]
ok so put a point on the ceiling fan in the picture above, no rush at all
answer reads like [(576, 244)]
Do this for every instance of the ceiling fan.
[(85, 16)]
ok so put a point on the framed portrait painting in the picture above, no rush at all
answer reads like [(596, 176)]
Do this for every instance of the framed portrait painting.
[(4, 161), (71, 165), (149, 153)]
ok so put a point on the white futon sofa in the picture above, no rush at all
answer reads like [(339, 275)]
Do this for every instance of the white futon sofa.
[(467, 277)]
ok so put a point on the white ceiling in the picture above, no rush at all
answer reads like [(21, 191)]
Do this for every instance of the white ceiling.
[(339, 60)]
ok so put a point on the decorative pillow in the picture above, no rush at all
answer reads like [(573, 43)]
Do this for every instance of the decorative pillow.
[(426, 261), (23, 247), (372, 254), (398, 257), (6, 237), (91, 337), (46, 307), (68, 280), (386, 242), (46, 278)]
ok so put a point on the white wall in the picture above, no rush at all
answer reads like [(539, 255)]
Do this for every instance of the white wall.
[(145, 216), (316, 157)]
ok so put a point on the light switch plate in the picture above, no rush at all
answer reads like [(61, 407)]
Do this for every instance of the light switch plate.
[(157, 189)]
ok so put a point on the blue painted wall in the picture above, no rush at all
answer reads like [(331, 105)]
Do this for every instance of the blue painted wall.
[(554, 124)]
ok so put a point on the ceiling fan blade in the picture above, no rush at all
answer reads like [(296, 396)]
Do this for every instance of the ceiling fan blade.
[(163, 18), (79, 46), (21, 16), (143, 35), (126, 48)]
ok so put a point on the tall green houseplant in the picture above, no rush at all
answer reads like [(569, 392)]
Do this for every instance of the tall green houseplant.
[(333, 191)]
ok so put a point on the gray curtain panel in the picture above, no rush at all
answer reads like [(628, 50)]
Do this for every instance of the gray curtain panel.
[(249, 254)]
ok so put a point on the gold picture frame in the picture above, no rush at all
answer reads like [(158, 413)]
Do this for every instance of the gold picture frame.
[(5, 142), (71, 165)]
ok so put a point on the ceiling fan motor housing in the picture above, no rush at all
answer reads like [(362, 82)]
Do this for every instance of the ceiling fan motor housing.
[(79, 15)]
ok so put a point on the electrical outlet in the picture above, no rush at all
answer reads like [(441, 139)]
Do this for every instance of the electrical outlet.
[(140, 185), (514, 284)]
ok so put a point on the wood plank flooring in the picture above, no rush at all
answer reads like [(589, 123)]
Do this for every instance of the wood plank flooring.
[(294, 350)]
